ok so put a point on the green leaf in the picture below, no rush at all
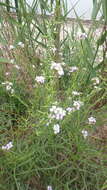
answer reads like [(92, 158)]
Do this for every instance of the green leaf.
[(96, 9), (102, 39), (104, 7), (90, 52), (104, 187), (4, 60), (6, 5)]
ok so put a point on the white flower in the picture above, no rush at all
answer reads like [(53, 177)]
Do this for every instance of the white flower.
[(58, 68), (73, 69), (60, 72), (53, 108), (3, 83), (91, 120), (7, 83), (82, 36), (33, 66), (53, 49), (21, 44), (17, 67), (57, 113), (95, 80), (12, 61), (12, 91), (8, 87), (98, 88), (40, 79), (7, 146), (7, 73), (49, 187), (75, 93), (85, 133), (70, 109), (78, 104), (11, 47), (56, 128)]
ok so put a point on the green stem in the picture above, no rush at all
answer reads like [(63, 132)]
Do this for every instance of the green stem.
[(57, 29), (8, 7), (17, 11)]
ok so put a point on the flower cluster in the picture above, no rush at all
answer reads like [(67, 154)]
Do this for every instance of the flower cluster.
[(58, 67), (8, 86), (91, 120), (7, 146), (40, 79), (57, 113), (76, 106)]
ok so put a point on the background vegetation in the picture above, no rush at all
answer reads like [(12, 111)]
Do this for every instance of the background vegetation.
[(52, 98)]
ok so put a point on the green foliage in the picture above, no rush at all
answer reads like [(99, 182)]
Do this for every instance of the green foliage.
[(42, 70)]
